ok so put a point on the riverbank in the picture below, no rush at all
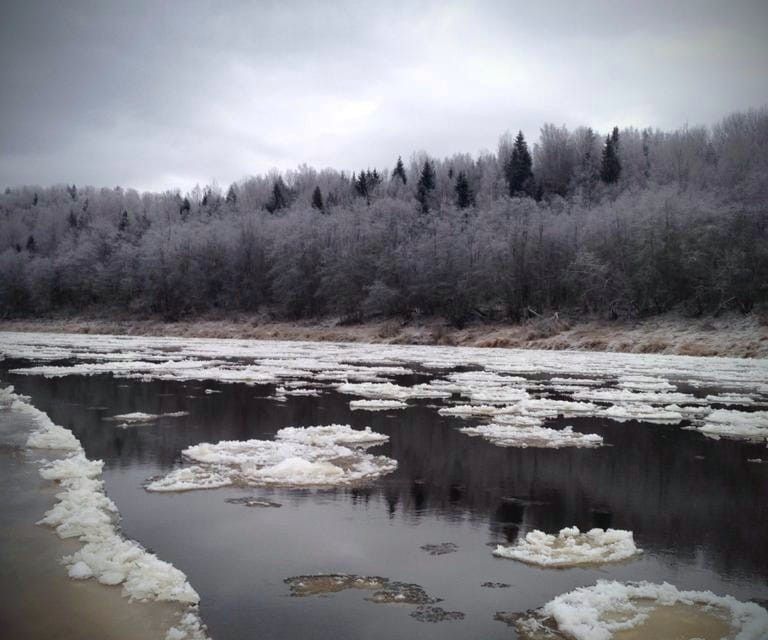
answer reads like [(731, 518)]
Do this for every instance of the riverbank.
[(737, 336)]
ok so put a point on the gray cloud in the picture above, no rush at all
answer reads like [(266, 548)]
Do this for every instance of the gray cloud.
[(161, 95)]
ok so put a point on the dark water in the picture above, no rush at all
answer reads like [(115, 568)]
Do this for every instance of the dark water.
[(696, 507)]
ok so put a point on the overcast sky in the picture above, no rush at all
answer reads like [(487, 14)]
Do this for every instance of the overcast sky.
[(157, 95)]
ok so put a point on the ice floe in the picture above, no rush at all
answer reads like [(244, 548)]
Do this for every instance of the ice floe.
[(299, 456), (571, 547), (505, 435), (615, 386), (728, 423), (644, 413), (139, 418), (608, 607), (84, 512), (377, 405)]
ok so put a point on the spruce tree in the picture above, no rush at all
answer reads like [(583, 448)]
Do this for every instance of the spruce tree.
[(231, 198), (464, 194), (519, 169), (399, 171), (361, 184), (185, 208), (279, 198), (610, 169), (426, 185), (317, 199)]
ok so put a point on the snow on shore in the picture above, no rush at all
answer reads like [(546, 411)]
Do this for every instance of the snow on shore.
[(570, 547), (599, 611), (84, 512), (329, 455)]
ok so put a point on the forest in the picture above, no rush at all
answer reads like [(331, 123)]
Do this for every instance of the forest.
[(618, 225)]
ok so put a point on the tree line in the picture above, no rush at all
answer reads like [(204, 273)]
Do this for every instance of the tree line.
[(630, 224)]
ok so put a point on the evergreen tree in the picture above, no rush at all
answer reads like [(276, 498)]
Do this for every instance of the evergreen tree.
[(123, 224), (519, 171), (317, 199), (279, 198), (31, 246), (464, 196), (231, 198), (610, 169), (361, 184), (426, 185), (184, 208), (399, 171)]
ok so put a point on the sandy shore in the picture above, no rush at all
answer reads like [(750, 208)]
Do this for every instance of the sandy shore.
[(730, 336)]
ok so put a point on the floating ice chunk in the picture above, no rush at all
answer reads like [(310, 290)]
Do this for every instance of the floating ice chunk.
[(190, 478), (330, 434), (599, 611), (729, 399), (140, 418), (644, 383), (136, 416), (570, 547), (579, 382), (377, 405), (643, 413), (298, 471), (625, 396), (513, 436), (546, 408), (735, 424), (497, 395), (310, 456), (389, 391), (469, 410)]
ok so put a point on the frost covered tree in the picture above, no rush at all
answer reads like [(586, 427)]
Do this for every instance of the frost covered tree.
[(684, 228)]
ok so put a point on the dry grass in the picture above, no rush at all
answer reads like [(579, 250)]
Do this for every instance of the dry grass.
[(733, 336)]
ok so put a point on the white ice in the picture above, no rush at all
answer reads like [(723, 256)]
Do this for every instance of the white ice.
[(571, 547), (513, 436), (84, 512), (327, 455), (597, 612), (376, 405)]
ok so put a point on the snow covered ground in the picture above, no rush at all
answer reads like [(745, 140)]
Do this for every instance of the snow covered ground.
[(513, 390), (85, 513)]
